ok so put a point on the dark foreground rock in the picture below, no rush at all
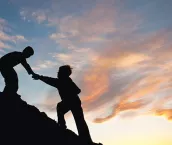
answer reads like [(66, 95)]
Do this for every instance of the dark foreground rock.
[(21, 124)]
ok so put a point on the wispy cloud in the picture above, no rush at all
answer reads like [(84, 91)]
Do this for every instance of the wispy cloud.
[(3, 45), (91, 27), (73, 30), (6, 37), (78, 58), (45, 65), (29, 14), (123, 106), (164, 112)]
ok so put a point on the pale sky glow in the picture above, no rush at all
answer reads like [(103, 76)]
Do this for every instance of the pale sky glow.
[(120, 52)]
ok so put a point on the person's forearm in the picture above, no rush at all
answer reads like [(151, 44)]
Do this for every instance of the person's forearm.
[(28, 68), (43, 78), (48, 80)]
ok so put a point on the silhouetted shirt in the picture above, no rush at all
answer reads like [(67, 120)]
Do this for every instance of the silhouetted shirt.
[(12, 59), (67, 89)]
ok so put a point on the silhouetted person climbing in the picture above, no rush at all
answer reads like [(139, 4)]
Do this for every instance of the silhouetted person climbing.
[(10, 60), (68, 91)]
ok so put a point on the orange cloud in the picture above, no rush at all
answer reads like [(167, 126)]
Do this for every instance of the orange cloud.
[(164, 112), (123, 106), (96, 83), (96, 80), (121, 60), (132, 98)]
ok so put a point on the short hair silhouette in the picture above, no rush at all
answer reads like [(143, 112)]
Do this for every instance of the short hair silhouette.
[(65, 70), (28, 51)]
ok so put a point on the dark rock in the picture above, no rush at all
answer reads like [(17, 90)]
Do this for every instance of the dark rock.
[(21, 123)]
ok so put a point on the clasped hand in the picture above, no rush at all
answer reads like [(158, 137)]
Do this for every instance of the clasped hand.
[(35, 76)]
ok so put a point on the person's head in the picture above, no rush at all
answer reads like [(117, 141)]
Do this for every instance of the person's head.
[(28, 51), (64, 71)]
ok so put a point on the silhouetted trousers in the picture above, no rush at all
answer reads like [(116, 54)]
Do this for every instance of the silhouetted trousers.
[(76, 109), (11, 80)]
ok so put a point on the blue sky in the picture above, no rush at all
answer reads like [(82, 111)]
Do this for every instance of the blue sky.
[(120, 52)]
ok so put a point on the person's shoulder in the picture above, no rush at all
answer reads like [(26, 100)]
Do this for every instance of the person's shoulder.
[(15, 53)]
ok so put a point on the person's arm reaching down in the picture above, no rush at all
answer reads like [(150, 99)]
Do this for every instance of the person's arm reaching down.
[(27, 67)]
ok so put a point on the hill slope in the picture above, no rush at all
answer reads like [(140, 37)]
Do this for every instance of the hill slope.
[(22, 124)]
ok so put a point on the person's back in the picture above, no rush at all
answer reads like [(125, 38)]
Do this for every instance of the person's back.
[(11, 59), (67, 89)]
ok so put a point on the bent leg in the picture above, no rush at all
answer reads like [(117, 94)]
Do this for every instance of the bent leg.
[(11, 81), (81, 124), (62, 109)]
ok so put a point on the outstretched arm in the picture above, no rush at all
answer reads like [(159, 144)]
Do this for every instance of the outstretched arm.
[(48, 80), (27, 67)]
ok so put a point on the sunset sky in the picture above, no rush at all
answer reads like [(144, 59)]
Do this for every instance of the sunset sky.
[(121, 55)]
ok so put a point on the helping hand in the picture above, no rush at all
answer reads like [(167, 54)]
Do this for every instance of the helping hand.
[(35, 76)]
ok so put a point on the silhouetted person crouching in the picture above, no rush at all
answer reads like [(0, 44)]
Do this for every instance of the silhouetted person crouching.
[(10, 60), (68, 91)]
